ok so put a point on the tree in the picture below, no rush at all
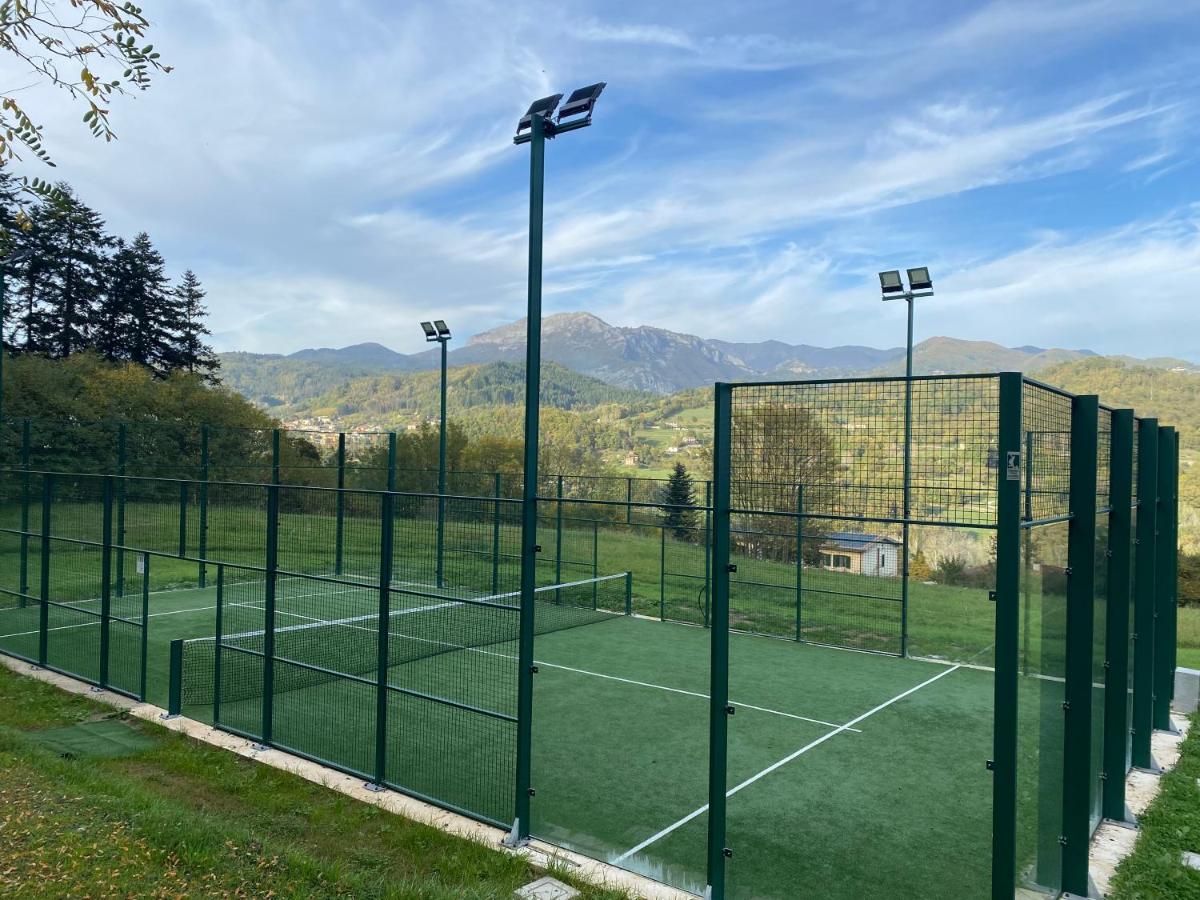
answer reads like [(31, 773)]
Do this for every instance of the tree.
[(71, 237), (186, 350), (148, 305), (96, 38), (111, 319), (679, 500)]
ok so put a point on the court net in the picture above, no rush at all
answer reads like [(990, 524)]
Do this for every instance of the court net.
[(421, 623)]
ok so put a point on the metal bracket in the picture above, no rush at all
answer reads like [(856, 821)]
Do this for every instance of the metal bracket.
[(374, 788), (992, 596), (511, 840), (730, 710), (990, 765), (533, 669), (1066, 705), (732, 567), (727, 852)]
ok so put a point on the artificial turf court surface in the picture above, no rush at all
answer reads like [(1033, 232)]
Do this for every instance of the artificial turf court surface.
[(850, 774)]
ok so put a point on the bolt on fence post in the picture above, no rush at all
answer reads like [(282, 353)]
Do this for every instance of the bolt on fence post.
[(1164, 675), (44, 587), (718, 710), (1144, 588), (203, 489), (143, 663), (106, 524), (122, 442), (387, 523), (1116, 682), (339, 535), (1008, 588), (1081, 580), (175, 685), (218, 635), (268, 702), (23, 584)]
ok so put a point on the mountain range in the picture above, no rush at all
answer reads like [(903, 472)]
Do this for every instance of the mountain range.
[(641, 358)]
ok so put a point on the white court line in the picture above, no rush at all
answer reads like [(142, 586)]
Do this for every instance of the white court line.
[(783, 762), (549, 665)]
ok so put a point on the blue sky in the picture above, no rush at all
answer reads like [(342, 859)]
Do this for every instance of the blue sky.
[(336, 172)]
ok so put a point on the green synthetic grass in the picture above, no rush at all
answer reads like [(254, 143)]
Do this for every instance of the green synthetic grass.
[(1168, 828), (176, 818)]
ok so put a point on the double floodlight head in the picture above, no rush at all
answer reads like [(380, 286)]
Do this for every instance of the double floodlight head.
[(437, 330), (919, 283), (575, 113)]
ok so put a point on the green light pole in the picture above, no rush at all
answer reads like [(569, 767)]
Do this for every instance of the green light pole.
[(891, 286), (534, 128), (439, 331)]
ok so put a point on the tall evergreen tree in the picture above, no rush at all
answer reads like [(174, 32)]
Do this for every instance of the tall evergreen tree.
[(187, 350), (110, 331), (73, 233), (679, 498), (149, 306)]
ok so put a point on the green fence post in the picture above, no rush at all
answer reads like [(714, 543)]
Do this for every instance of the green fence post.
[(799, 555), (1164, 673), (1081, 582), (628, 501), (1173, 572), (707, 551), (25, 499), (44, 587), (558, 538), (276, 454), (1008, 590), (183, 513), (1144, 584), (719, 708), (175, 680), (496, 534), (387, 523), (203, 489), (272, 560), (595, 562), (218, 633), (1116, 650), (143, 663), (122, 440), (106, 524), (1027, 567), (339, 536), (662, 573)]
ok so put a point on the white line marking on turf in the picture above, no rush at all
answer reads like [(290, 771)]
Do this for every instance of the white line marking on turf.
[(654, 838)]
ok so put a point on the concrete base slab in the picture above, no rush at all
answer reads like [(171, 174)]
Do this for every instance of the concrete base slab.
[(547, 888)]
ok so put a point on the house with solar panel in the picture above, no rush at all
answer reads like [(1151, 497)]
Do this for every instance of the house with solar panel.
[(860, 554)]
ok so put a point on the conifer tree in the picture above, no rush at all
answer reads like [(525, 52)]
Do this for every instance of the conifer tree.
[(679, 497), (73, 245), (187, 350), (148, 305)]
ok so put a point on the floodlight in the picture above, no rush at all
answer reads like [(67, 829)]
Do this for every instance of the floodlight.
[(430, 331), (919, 280), (544, 108), (890, 283), (581, 102), (443, 329)]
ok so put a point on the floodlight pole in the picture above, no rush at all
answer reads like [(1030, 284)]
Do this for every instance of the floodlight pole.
[(441, 519), (529, 548)]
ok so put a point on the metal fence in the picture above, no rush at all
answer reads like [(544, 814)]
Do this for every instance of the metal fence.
[(1008, 595)]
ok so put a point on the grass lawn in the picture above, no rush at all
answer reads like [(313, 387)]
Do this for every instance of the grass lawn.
[(1189, 637), (168, 817), (1169, 827)]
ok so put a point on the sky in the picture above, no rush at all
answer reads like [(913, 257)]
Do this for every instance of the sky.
[(336, 171)]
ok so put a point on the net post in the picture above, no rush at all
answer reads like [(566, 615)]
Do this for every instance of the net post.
[(799, 555), (1144, 588), (1081, 580), (25, 500), (718, 713), (122, 444), (1164, 675), (203, 489), (1008, 589), (183, 512), (272, 560), (175, 684), (662, 573), (629, 593), (143, 663), (106, 523), (1120, 546), (218, 632), (339, 536), (44, 586), (496, 535), (387, 522)]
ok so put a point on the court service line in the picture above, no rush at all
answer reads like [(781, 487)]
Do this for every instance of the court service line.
[(654, 838), (549, 665)]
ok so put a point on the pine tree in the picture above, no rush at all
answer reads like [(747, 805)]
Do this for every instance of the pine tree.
[(74, 242), (110, 330), (679, 497), (187, 350), (149, 307)]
